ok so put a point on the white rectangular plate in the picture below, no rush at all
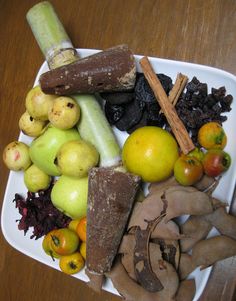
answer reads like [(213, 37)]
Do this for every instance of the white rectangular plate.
[(214, 78)]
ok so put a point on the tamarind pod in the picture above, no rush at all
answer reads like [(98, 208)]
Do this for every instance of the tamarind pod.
[(225, 223), (174, 201), (194, 229), (186, 291), (186, 265), (128, 288), (207, 252)]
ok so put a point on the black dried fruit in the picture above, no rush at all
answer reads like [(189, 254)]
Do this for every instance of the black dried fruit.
[(143, 91), (113, 112), (226, 102), (133, 112), (127, 116), (196, 107), (142, 122), (118, 98), (166, 82)]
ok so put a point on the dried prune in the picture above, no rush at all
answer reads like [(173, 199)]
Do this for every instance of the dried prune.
[(113, 112), (133, 112), (142, 122), (143, 91), (166, 82), (118, 98)]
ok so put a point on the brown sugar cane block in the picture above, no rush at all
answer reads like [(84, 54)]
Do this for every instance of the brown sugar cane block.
[(110, 199), (96, 281), (113, 69)]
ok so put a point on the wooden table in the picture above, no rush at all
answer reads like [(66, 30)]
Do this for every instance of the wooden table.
[(200, 31)]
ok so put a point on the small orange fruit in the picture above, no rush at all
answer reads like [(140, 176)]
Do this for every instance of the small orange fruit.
[(64, 241), (47, 245), (150, 152), (82, 249), (81, 229), (71, 264), (212, 135), (73, 224)]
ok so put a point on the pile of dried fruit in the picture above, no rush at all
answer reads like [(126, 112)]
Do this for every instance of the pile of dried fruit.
[(195, 107)]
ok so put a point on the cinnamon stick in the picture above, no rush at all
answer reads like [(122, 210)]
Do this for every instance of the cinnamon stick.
[(177, 126), (180, 83)]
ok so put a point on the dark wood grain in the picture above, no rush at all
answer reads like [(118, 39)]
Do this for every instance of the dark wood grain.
[(199, 31)]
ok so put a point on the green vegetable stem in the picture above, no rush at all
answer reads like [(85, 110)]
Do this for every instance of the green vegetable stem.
[(58, 50)]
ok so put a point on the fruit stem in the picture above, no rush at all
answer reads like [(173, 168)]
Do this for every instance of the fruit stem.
[(51, 255), (55, 240), (72, 265)]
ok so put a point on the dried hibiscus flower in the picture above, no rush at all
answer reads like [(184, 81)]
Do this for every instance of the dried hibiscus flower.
[(38, 212)]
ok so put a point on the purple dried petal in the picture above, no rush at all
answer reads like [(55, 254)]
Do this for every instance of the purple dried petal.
[(38, 212)]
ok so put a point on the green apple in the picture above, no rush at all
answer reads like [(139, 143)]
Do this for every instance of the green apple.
[(69, 195), (43, 150)]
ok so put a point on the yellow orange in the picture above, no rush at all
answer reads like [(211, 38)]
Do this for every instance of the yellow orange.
[(150, 152)]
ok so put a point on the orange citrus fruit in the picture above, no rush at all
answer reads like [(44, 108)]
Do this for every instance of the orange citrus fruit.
[(81, 229), (212, 135), (73, 224), (82, 249), (150, 152)]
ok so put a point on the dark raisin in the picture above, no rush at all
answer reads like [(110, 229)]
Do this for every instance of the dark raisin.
[(226, 103)]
